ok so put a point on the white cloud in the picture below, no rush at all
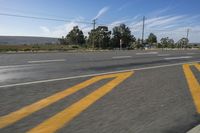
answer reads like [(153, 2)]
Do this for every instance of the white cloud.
[(63, 30), (101, 12), (165, 21), (45, 29), (159, 12), (179, 32), (173, 26), (127, 4), (124, 6), (118, 22), (123, 21)]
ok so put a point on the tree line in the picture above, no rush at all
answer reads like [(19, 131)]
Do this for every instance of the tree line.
[(119, 37)]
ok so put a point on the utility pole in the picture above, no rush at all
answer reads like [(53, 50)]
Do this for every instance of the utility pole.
[(94, 27), (94, 24), (143, 30), (188, 30)]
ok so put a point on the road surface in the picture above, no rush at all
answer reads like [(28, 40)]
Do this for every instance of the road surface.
[(101, 92)]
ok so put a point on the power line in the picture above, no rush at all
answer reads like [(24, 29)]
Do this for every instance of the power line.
[(41, 18), (165, 30), (94, 23), (30, 12)]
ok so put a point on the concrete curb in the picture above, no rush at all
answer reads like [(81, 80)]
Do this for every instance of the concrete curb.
[(195, 130)]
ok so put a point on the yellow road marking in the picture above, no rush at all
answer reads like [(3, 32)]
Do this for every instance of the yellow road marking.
[(193, 85), (197, 66), (28, 110), (60, 119)]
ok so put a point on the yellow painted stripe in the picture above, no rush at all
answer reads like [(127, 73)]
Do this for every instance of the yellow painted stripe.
[(197, 66), (193, 86), (28, 110), (56, 122)]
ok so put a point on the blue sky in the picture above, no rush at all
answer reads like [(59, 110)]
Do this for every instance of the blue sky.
[(169, 18)]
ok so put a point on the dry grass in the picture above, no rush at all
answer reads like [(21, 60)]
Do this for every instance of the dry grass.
[(52, 47)]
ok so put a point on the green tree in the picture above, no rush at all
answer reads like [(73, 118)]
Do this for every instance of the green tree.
[(122, 33), (139, 43), (92, 38), (164, 42), (104, 36), (62, 41), (171, 43), (100, 37), (183, 43), (167, 42), (75, 36), (152, 39)]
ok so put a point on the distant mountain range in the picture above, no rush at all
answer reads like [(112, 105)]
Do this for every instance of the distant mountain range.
[(14, 40)]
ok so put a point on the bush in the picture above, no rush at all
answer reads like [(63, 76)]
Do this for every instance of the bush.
[(75, 46)]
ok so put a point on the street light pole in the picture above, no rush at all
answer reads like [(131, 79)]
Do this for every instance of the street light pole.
[(120, 44), (120, 41)]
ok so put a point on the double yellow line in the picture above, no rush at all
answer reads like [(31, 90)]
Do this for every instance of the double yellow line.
[(193, 83), (62, 118)]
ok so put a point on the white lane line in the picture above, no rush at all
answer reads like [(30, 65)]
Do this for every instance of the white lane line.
[(180, 57), (45, 61), (14, 66), (161, 55), (95, 74), (121, 57), (146, 53), (190, 53)]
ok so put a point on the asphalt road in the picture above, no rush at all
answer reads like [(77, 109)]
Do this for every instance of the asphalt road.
[(101, 92)]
